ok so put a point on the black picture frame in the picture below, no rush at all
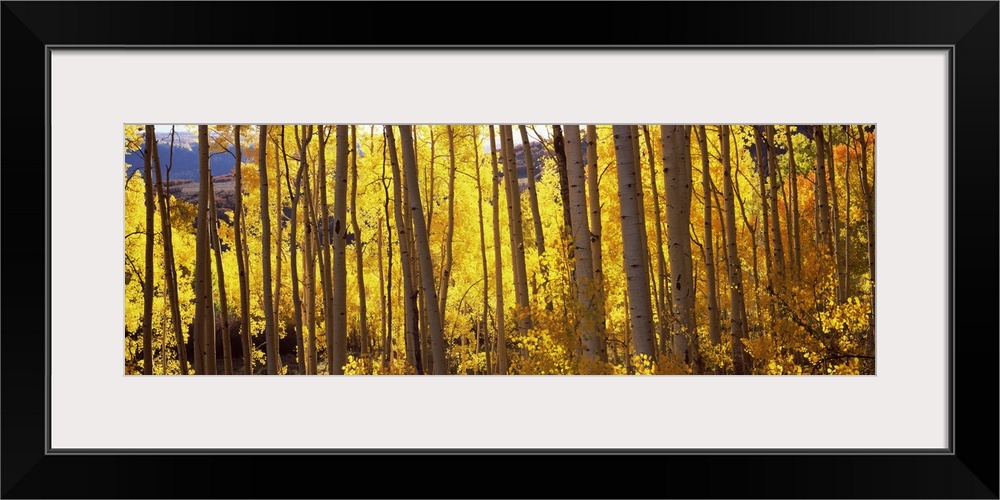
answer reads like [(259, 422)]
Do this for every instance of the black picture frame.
[(968, 470)]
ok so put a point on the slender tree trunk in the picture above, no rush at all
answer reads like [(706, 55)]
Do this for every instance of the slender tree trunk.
[(241, 252), (868, 192), (293, 237), (429, 176), (450, 234), (594, 203), (216, 243), (661, 263), (338, 354), (426, 269), (594, 207), (410, 334), (821, 196), (326, 265), (741, 359), (594, 348), (279, 246), (677, 181), (566, 236), (198, 327), (786, 200), (793, 174), (559, 147), (640, 194), (279, 217), (308, 249), (761, 162), (419, 312), (358, 248), (772, 168), (498, 261), (720, 209), (314, 233), (847, 212), (505, 176), (532, 195), (385, 336), (168, 262), (386, 304), (147, 289), (309, 288), (482, 333), (752, 229), (270, 331), (163, 338), (204, 254), (279, 211), (425, 348), (835, 216), (640, 305), (685, 158), (517, 234), (714, 333)]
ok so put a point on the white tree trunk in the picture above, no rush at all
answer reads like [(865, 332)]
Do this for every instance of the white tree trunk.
[(593, 348), (636, 270), (677, 187)]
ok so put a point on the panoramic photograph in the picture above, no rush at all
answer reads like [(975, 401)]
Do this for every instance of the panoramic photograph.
[(503, 249)]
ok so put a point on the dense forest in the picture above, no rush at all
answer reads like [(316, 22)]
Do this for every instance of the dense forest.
[(500, 249)]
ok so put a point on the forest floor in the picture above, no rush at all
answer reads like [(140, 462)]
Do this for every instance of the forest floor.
[(287, 360)]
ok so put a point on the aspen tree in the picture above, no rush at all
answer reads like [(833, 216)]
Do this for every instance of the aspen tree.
[(677, 188), (170, 268), (793, 174), (714, 333), (423, 253), (411, 336), (241, 253), (358, 248), (482, 333), (216, 244), (517, 232), (636, 270), (338, 234), (532, 194), (270, 331), (741, 359), (594, 207), (772, 173), (661, 263), (594, 348), (450, 231), (147, 288), (498, 261)]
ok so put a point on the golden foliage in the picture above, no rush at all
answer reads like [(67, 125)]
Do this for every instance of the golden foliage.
[(795, 327)]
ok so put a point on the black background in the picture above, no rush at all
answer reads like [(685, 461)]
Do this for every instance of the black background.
[(971, 472)]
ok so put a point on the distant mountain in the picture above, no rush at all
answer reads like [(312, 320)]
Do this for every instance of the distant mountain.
[(538, 155), (185, 158), (185, 161)]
